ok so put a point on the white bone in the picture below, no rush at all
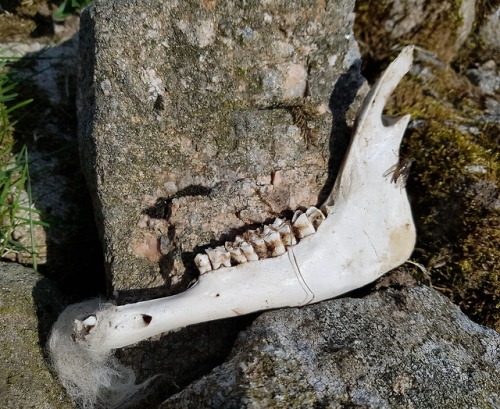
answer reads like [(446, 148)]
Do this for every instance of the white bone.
[(278, 223), (368, 231)]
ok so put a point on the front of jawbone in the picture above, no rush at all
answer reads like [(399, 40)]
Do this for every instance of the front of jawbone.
[(368, 230)]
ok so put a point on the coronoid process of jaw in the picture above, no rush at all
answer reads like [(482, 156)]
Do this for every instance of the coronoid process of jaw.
[(363, 230)]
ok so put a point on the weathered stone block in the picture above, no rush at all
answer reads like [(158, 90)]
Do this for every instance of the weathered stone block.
[(29, 304), (198, 119), (408, 348)]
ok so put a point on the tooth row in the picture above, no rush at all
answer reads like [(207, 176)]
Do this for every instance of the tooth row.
[(269, 241)]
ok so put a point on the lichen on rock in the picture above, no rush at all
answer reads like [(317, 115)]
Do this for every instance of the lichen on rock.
[(384, 350)]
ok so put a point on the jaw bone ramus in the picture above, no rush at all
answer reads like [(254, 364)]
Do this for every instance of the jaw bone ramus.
[(364, 229)]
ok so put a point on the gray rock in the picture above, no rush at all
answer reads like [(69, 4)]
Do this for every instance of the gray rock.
[(486, 77), (409, 348), (490, 31), (467, 13), (28, 306), (198, 119)]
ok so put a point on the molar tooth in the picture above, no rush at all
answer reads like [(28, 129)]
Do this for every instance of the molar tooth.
[(236, 253), (302, 225), (316, 216), (258, 243), (247, 249), (285, 229), (273, 240), (267, 230), (278, 223), (219, 257), (203, 263)]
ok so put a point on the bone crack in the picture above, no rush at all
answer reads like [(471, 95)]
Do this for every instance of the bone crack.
[(268, 241)]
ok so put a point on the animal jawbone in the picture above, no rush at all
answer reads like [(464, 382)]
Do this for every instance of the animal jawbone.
[(364, 229)]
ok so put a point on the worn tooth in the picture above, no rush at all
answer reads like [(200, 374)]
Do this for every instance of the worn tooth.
[(254, 237), (273, 240), (267, 230), (203, 263), (234, 249), (248, 251), (219, 257), (302, 224), (285, 229), (316, 216), (258, 243), (289, 238), (278, 223), (246, 248), (225, 256)]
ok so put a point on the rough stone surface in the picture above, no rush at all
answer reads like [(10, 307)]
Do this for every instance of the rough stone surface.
[(28, 306), (486, 77), (407, 348), (490, 30), (201, 118)]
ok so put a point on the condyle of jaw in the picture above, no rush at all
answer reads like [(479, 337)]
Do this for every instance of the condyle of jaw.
[(364, 229)]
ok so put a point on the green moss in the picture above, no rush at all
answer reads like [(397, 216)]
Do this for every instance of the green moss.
[(437, 31), (453, 187), (453, 200), (21, 20), (12, 27)]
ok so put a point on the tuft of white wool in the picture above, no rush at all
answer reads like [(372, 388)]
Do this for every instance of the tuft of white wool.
[(93, 378)]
